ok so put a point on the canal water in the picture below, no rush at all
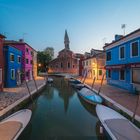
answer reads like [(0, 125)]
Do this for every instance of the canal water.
[(60, 114)]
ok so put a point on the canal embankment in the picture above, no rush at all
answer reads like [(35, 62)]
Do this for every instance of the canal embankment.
[(116, 97), (14, 98)]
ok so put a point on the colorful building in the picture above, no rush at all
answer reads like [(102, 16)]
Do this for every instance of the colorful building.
[(35, 63), (12, 68), (27, 57), (66, 61), (95, 65), (1, 62), (123, 61)]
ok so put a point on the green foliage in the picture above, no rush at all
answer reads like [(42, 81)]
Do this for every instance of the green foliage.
[(43, 59)]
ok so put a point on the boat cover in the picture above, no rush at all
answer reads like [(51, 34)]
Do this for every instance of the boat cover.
[(122, 129)]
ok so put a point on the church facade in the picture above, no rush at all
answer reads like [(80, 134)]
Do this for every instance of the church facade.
[(66, 61)]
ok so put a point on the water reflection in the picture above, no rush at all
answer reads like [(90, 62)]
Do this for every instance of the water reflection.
[(65, 91), (89, 107)]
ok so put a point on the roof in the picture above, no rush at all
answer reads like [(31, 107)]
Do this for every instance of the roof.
[(134, 32), (12, 42), (11, 46), (99, 54), (2, 36)]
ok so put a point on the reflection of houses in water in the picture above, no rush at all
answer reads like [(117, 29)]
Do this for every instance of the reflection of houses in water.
[(65, 92), (49, 92)]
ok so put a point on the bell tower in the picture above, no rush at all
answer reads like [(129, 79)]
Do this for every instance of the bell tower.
[(66, 40)]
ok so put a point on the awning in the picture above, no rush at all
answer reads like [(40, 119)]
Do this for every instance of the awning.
[(132, 65)]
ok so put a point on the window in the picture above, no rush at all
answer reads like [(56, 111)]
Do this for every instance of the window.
[(93, 72), (87, 63), (0, 75), (12, 57), (134, 49), (108, 56), (73, 66), (31, 61), (122, 75), (109, 73), (135, 76), (31, 53), (122, 52), (100, 72), (68, 64), (27, 61), (61, 65), (27, 50), (27, 73), (19, 59), (13, 74)]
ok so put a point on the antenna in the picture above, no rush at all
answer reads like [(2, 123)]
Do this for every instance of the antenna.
[(23, 36), (123, 26), (104, 41)]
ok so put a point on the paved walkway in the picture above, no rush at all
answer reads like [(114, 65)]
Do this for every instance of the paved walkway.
[(11, 95), (117, 95)]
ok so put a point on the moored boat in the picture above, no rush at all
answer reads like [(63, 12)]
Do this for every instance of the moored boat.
[(90, 96), (117, 126), (12, 126), (50, 80)]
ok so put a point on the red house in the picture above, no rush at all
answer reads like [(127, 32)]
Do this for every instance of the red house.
[(1, 62)]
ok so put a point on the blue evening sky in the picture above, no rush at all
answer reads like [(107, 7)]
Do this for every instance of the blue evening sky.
[(89, 22)]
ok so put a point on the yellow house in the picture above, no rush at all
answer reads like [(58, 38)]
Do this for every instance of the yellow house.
[(95, 65), (35, 64)]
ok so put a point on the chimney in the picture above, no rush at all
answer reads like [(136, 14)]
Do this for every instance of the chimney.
[(117, 37), (21, 40)]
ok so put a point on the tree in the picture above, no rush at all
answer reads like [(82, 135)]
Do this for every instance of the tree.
[(50, 51), (43, 59)]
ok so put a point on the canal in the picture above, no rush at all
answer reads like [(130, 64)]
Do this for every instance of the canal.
[(60, 114)]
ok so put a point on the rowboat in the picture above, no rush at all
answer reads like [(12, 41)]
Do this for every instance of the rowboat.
[(50, 80), (90, 96), (117, 126), (12, 126)]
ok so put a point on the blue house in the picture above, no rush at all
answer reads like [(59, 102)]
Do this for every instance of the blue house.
[(123, 61), (12, 66)]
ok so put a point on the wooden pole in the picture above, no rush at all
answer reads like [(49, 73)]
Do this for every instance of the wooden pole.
[(93, 82), (101, 84), (35, 83), (85, 77), (137, 104), (29, 91)]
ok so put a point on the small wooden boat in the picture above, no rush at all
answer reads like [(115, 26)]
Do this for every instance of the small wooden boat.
[(90, 96), (74, 81), (79, 86), (68, 76), (50, 80), (12, 126), (117, 126)]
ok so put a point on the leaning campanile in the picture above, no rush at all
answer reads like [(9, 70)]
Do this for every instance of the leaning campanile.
[(66, 40)]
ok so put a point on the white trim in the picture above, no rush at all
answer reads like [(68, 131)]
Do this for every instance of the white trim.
[(18, 58), (123, 46), (131, 49), (14, 76), (124, 75), (10, 57)]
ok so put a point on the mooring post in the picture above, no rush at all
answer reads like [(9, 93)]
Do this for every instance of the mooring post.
[(93, 82), (137, 104), (101, 84), (35, 83), (28, 90)]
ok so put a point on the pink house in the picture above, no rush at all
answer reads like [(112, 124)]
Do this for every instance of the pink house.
[(27, 58)]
